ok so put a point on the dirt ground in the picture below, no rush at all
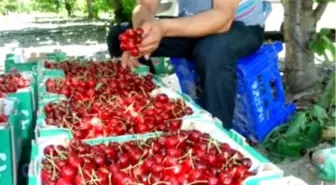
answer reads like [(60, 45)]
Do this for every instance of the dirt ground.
[(88, 39)]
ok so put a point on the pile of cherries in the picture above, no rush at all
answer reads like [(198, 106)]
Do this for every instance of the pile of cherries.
[(91, 70), (135, 113), (12, 82), (93, 89), (95, 79), (104, 99), (177, 158), (130, 39)]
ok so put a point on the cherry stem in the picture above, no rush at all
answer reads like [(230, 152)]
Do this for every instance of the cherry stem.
[(60, 153), (211, 142), (175, 119), (81, 173), (67, 125), (110, 178), (228, 161), (130, 107), (191, 160), (181, 140), (161, 182), (94, 178), (54, 167), (197, 182), (132, 166), (189, 153), (143, 91)]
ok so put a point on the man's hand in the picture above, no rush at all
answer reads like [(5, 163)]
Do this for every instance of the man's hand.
[(129, 61), (153, 33), (152, 36)]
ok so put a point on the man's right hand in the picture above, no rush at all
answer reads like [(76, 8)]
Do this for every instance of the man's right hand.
[(128, 61)]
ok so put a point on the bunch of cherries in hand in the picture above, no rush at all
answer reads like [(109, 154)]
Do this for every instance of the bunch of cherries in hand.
[(130, 39)]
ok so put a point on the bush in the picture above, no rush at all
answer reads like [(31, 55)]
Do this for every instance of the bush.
[(128, 6)]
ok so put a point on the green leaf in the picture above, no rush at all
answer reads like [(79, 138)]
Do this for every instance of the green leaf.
[(323, 1), (332, 49), (314, 131), (325, 31), (319, 112), (298, 122), (328, 95), (290, 147), (98, 86), (317, 46)]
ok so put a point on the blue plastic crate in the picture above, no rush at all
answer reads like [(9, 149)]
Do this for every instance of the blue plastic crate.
[(260, 99), (187, 75)]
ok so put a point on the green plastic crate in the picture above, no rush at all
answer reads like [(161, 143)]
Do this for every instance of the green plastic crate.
[(49, 73), (27, 114), (43, 130), (11, 62), (28, 105), (162, 66), (57, 56), (42, 91), (265, 169), (10, 136)]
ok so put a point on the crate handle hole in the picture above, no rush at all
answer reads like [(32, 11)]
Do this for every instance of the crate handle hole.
[(273, 89), (267, 109), (266, 103)]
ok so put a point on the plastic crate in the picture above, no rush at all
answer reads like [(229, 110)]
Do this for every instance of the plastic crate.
[(264, 169), (10, 135), (11, 63), (260, 99), (187, 75)]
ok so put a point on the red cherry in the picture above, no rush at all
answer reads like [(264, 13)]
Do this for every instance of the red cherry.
[(63, 182), (68, 173), (123, 38), (123, 47), (130, 33), (139, 31), (135, 52)]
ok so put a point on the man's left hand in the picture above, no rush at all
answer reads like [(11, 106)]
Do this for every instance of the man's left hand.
[(153, 33)]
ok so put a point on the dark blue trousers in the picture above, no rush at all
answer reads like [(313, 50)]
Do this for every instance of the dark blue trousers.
[(216, 59)]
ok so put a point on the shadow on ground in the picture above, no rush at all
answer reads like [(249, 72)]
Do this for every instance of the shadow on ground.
[(35, 37)]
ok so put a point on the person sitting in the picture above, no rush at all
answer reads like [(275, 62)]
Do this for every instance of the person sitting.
[(213, 33)]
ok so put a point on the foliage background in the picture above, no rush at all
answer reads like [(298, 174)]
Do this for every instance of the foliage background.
[(58, 6)]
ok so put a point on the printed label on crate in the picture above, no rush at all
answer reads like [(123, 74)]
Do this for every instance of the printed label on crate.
[(258, 101), (8, 106), (172, 82)]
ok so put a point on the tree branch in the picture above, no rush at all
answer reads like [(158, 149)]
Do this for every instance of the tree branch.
[(319, 10)]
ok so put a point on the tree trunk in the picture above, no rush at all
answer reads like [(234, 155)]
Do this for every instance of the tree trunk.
[(68, 8), (118, 11), (90, 9), (299, 29)]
